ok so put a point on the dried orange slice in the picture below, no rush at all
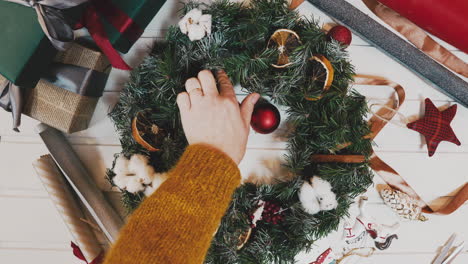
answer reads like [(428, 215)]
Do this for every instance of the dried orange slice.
[(285, 41), (146, 133), (321, 75), (244, 238)]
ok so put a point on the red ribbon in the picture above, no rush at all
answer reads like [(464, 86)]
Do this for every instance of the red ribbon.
[(79, 254), (122, 22), (119, 19)]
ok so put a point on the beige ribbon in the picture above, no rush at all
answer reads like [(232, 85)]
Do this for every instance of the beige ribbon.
[(387, 173), (418, 37)]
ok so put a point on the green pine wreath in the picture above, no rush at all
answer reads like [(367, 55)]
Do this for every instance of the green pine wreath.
[(238, 44)]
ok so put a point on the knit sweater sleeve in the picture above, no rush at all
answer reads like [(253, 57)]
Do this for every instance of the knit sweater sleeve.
[(177, 223)]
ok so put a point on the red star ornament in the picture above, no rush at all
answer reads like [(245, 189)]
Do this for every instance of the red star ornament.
[(435, 126)]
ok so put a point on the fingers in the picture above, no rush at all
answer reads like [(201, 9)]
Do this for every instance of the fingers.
[(247, 107), (225, 85), (208, 82), (193, 87), (183, 101)]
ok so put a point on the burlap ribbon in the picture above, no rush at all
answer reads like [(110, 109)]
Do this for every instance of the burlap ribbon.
[(52, 20), (418, 37), (388, 174), (76, 79)]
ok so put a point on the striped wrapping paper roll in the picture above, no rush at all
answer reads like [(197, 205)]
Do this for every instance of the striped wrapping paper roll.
[(62, 196)]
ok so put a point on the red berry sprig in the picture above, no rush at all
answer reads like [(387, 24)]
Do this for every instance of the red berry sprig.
[(272, 213)]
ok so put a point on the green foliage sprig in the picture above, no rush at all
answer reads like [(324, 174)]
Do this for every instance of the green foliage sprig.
[(238, 45)]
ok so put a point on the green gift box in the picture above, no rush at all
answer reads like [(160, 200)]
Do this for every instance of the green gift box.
[(25, 52), (125, 20)]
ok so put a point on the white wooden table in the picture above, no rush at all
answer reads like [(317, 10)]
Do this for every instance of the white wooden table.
[(31, 230)]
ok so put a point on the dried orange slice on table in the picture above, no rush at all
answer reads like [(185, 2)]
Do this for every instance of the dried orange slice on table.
[(321, 75), (146, 133), (285, 41)]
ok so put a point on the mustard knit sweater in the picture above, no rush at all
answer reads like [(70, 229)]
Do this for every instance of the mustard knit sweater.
[(177, 223)]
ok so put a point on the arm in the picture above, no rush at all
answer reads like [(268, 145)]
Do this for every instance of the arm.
[(177, 223)]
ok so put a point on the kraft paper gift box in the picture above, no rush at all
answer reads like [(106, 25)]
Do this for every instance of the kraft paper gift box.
[(63, 109)]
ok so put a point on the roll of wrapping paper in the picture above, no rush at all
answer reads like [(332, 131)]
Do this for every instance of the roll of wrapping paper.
[(81, 181), (444, 19), (397, 48), (64, 200)]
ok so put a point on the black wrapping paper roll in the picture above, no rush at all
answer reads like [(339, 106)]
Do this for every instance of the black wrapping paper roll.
[(397, 48), (81, 181)]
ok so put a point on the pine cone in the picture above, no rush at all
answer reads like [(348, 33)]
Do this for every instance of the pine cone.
[(402, 204)]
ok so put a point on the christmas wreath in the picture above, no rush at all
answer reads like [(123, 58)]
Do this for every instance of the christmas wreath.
[(265, 48)]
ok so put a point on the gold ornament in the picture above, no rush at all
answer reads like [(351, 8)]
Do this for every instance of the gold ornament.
[(405, 206)]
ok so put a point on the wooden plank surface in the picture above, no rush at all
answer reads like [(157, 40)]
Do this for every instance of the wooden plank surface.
[(31, 230)]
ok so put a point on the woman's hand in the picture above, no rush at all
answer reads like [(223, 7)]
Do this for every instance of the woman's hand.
[(213, 116)]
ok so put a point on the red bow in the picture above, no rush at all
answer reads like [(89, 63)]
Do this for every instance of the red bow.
[(79, 254), (105, 9)]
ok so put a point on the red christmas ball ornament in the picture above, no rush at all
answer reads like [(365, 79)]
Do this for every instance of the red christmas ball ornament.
[(265, 117), (340, 34)]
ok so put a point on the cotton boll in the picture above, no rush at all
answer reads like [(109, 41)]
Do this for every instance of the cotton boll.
[(134, 185), (205, 21), (158, 179), (121, 165), (321, 186), (195, 24), (139, 166), (196, 32), (308, 199), (121, 181), (325, 196), (189, 18), (327, 201)]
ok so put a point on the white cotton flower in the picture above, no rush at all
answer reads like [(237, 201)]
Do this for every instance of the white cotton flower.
[(317, 196), (133, 175), (134, 185), (308, 198), (139, 166), (158, 179), (121, 181), (121, 165), (321, 186), (129, 183), (195, 24), (327, 201), (325, 196)]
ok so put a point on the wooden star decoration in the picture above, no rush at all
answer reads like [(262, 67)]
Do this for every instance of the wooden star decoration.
[(435, 126)]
